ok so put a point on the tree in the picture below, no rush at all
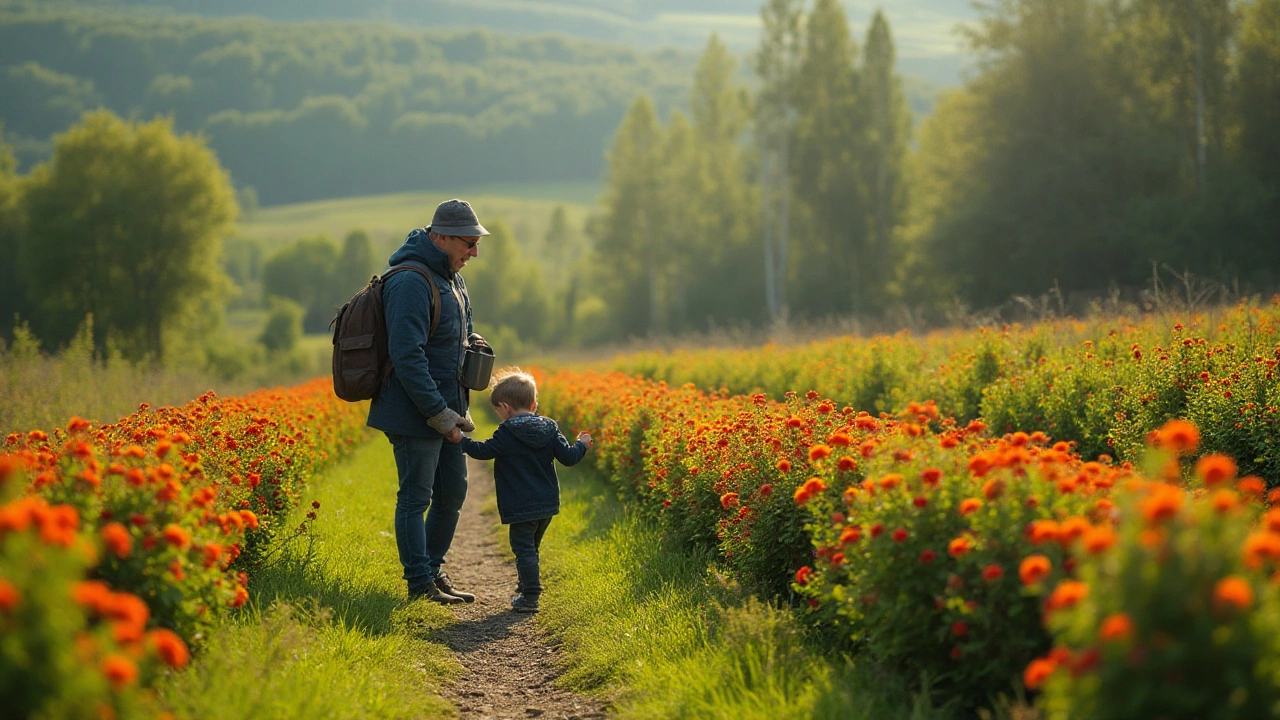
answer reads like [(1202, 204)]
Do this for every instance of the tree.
[(124, 222), (356, 265), (306, 272), (716, 219), (827, 166), (777, 64), (507, 292), (1257, 93), (1180, 50), (628, 251), (13, 300), (888, 131)]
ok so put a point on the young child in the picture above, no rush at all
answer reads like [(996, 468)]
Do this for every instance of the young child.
[(524, 449)]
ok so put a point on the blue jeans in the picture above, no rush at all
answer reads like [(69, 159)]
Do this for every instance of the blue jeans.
[(526, 538), (433, 474)]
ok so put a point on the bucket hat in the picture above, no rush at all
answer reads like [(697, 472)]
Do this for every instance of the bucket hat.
[(455, 217)]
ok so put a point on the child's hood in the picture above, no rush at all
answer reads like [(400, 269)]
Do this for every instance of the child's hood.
[(534, 431)]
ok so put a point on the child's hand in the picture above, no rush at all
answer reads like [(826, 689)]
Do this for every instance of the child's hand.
[(585, 437), (454, 436)]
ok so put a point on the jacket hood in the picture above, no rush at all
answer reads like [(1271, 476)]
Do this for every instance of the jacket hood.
[(533, 430), (419, 248)]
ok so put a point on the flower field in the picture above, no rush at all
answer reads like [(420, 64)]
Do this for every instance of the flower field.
[(121, 545), (994, 560), (1103, 383)]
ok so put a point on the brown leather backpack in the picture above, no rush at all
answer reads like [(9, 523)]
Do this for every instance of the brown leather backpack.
[(361, 363)]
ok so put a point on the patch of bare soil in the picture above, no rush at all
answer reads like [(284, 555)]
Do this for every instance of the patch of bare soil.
[(509, 668)]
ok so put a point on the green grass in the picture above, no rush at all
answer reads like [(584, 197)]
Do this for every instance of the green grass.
[(525, 208), (661, 633), (334, 636)]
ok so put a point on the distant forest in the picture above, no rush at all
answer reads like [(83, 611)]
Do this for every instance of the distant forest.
[(303, 111)]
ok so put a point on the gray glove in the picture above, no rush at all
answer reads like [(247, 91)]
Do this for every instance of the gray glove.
[(446, 420), (467, 424)]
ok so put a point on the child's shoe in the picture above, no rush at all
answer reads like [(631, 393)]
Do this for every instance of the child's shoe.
[(523, 603)]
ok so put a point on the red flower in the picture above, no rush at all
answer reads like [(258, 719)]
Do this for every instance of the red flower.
[(959, 628), (803, 575), (991, 573), (899, 535), (928, 556)]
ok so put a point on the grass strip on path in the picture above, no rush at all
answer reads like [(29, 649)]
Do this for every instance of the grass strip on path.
[(664, 635), (332, 636)]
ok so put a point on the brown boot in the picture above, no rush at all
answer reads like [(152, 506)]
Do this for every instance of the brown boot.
[(446, 586), (434, 594)]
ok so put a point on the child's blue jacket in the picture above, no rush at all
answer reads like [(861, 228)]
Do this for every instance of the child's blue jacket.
[(524, 450)]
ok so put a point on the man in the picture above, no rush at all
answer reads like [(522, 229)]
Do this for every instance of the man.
[(423, 401)]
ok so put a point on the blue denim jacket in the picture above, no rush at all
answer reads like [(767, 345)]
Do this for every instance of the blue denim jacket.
[(524, 471), (425, 375)]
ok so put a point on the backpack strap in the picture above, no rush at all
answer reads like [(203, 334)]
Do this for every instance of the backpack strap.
[(435, 293)]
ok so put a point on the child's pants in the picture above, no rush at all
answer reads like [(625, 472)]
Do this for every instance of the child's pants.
[(526, 538)]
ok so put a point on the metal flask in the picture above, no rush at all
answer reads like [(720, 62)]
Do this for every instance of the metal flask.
[(477, 366)]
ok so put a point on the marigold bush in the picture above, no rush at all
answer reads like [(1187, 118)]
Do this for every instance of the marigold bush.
[(1104, 383), (928, 545), (159, 518), (1181, 617), (69, 648)]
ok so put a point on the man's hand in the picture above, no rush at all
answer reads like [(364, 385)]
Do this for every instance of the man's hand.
[(585, 437), (454, 436)]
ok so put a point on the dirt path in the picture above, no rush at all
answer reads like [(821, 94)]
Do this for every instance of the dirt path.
[(510, 671)]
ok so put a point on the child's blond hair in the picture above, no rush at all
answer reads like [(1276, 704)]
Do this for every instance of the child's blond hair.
[(514, 387)]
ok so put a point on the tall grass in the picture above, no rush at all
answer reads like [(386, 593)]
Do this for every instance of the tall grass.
[(42, 390), (658, 630), (329, 632)]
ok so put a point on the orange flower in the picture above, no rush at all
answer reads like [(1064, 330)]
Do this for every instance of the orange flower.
[(1067, 594), (819, 452), (729, 500), (931, 476), (242, 595), (1215, 469), (784, 466), (1072, 528), (1099, 540), (993, 572), (1116, 628), (212, 553), (171, 649), (840, 439), (803, 575), (176, 536), (1037, 672), (959, 546), (120, 671), (1233, 592), (890, 481), (117, 539), (847, 464), (1224, 501), (1252, 486), (1164, 502), (1178, 436), (969, 506), (10, 596), (811, 487), (1034, 568), (851, 534), (1044, 531), (992, 489)]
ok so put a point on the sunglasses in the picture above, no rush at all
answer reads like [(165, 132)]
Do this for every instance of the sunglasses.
[(469, 243)]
